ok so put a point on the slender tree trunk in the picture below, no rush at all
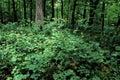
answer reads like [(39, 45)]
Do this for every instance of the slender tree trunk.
[(53, 11), (1, 16), (91, 13), (68, 12), (9, 10), (20, 13), (14, 12), (25, 13), (93, 6), (62, 8), (31, 11), (31, 8), (73, 14), (118, 25), (44, 8), (102, 15), (1, 11), (118, 22), (84, 12)]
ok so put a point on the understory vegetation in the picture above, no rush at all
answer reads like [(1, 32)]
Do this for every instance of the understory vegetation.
[(26, 53), (59, 39)]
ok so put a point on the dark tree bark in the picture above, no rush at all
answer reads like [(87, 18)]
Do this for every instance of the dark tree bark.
[(1, 12), (31, 8), (14, 12), (68, 12), (118, 22), (9, 10), (62, 8), (53, 11), (102, 15), (73, 14), (1, 16), (93, 6), (8, 5), (25, 13), (44, 8), (84, 12)]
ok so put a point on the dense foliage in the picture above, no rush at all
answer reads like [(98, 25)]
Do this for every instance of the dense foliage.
[(56, 54), (59, 40)]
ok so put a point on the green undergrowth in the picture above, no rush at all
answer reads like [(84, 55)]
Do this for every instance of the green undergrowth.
[(26, 53)]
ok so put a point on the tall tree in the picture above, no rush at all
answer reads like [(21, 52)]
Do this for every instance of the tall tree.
[(102, 15), (25, 13), (118, 22), (31, 8), (53, 11), (84, 12), (39, 11), (73, 14), (1, 12), (93, 7), (68, 10), (62, 8), (9, 9), (118, 16), (44, 8), (14, 11)]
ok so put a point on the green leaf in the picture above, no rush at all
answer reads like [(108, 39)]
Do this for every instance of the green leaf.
[(13, 59), (117, 48), (96, 78)]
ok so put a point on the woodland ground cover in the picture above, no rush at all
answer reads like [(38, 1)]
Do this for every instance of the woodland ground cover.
[(26, 53), (59, 40)]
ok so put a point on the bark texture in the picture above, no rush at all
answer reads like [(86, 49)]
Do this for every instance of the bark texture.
[(39, 10)]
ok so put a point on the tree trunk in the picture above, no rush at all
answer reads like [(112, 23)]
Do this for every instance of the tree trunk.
[(53, 11), (14, 12), (102, 15), (39, 10), (84, 12), (25, 17), (62, 8), (93, 6), (44, 8), (118, 22), (9, 10), (68, 11), (31, 8), (73, 14), (1, 11), (1, 16)]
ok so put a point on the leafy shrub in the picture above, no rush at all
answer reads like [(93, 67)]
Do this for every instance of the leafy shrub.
[(58, 56)]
